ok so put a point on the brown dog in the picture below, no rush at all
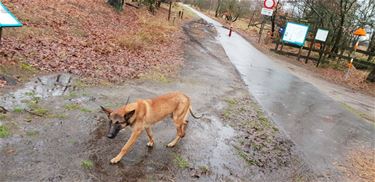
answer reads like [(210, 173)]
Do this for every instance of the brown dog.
[(143, 114)]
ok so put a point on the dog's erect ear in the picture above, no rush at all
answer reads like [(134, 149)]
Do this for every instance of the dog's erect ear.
[(129, 115), (107, 111)]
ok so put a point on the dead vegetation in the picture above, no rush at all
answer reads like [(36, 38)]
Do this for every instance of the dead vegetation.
[(261, 144), (90, 39), (360, 165)]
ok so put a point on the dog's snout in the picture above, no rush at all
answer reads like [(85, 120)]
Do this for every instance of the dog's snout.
[(110, 135)]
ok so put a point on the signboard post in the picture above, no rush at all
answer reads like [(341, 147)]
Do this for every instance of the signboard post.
[(7, 19), (321, 36), (295, 34), (267, 10)]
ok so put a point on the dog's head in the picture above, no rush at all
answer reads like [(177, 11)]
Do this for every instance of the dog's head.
[(117, 121)]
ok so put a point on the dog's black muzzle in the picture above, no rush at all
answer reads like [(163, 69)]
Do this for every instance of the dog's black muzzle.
[(113, 130)]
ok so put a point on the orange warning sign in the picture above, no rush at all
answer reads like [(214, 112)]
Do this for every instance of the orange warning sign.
[(360, 32)]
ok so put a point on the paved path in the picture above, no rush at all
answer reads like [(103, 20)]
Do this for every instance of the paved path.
[(321, 128)]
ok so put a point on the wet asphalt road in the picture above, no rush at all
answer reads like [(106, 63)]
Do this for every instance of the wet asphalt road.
[(320, 127)]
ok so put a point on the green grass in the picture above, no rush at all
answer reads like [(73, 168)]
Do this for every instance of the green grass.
[(71, 141), (17, 110), (80, 84), (71, 95), (87, 164), (204, 169), (85, 110), (3, 117), (227, 113), (244, 156), (155, 76), (181, 162), (59, 116), (4, 131), (231, 102), (72, 106), (356, 112), (28, 68), (32, 133), (40, 111)]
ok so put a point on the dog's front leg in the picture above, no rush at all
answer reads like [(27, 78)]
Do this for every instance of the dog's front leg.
[(129, 144), (150, 138)]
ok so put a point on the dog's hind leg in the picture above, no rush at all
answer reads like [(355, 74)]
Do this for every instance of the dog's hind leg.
[(150, 138), (180, 122), (178, 134), (175, 140)]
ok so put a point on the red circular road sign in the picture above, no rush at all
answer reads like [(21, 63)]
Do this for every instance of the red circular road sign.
[(269, 4)]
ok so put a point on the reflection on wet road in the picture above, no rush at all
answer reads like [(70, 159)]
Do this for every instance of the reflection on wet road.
[(320, 127)]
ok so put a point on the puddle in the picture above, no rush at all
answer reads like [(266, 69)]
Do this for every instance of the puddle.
[(40, 87)]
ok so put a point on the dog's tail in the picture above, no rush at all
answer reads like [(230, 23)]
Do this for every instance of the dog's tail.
[(192, 114)]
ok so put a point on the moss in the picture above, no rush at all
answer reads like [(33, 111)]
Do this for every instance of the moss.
[(87, 164), (27, 67), (17, 110), (181, 162), (40, 111), (72, 106), (71, 95), (59, 116), (32, 133), (85, 110), (4, 131), (3, 117)]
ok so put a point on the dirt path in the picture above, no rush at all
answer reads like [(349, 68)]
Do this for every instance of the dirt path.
[(61, 137)]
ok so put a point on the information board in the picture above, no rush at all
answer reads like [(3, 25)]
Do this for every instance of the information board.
[(266, 11), (321, 35), (295, 33), (7, 19)]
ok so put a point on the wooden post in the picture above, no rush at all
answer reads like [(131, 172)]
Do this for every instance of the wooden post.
[(277, 45), (282, 46), (261, 28), (170, 9), (1, 33), (299, 53), (322, 48), (311, 45)]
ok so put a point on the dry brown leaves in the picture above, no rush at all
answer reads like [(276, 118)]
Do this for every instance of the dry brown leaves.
[(360, 165), (82, 37)]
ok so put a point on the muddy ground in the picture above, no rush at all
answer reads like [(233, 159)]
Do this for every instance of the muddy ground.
[(56, 131)]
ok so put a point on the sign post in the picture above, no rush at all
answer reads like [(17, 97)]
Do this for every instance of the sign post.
[(267, 10), (7, 19), (295, 34), (321, 36)]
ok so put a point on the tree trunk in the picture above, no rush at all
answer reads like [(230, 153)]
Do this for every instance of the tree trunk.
[(217, 8), (235, 18), (371, 48), (336, 44), (169, 11), (371, 76), (273, 19), (251, 19), (118, 4)]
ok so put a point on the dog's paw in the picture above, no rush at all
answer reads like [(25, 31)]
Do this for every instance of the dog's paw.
[(115, 160), (150, 144), (170, 145)]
